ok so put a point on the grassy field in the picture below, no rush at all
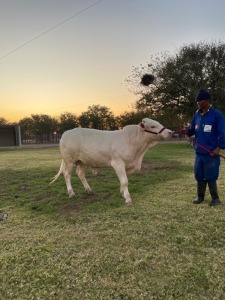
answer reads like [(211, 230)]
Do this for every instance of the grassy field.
[(96, 247)]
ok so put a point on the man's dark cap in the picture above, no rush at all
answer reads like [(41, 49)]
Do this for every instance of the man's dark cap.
[(202, 95)]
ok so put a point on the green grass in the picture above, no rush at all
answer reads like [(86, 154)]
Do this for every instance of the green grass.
[(96, 247)]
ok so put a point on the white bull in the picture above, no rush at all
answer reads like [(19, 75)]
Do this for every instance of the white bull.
[(123, 150)]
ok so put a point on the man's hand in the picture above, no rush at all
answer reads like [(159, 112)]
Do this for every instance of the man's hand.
[(215, 152)]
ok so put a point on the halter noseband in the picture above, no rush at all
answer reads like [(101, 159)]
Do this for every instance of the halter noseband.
[(149, 131)]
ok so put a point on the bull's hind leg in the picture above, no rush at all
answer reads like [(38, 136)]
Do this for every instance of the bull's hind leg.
[(81, 174), (67, 172), (121, 173)]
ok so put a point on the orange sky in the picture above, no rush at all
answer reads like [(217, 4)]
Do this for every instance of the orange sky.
[(117, 104)]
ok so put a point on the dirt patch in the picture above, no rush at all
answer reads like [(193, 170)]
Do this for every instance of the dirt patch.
[(69, 210), (74, 209)]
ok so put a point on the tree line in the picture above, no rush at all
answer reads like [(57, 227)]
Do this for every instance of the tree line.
[(44, 128)]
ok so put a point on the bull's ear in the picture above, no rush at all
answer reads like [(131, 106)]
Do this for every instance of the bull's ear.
[(142, 125)]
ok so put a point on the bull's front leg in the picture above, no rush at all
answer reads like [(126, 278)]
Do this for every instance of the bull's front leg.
[(119, 168)]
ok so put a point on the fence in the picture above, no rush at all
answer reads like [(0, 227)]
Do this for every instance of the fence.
[(31, 138)]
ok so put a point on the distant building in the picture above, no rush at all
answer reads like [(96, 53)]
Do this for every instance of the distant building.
[(10, 135)]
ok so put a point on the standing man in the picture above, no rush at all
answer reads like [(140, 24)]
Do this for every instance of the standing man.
[(208, 126)]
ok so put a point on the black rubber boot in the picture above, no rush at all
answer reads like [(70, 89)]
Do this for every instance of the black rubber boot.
[(201, 187), (214, 193)]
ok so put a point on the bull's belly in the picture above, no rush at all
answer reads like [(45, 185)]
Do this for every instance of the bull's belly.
[(95, 165), (95, 161)]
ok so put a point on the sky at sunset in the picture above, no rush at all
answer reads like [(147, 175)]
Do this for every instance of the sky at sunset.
[(64, 55)]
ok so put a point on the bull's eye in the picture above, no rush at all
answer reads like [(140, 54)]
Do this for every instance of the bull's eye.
[(152, 126)]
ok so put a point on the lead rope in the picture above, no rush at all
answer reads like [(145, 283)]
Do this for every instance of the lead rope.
[(201, 146)]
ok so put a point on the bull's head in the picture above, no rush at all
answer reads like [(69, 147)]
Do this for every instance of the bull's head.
[(154, 127)]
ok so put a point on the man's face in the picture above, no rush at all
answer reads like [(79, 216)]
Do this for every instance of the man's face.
[(203, 104)]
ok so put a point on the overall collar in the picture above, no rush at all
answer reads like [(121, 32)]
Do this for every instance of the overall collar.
[(199, 111)]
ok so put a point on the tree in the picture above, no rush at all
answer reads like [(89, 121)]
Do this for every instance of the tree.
[(44, 126), (178, 79), (98, 117), (129, 118), (27, 125), (68, 121), (3, 121)]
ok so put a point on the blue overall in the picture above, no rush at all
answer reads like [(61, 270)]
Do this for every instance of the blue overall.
[(206, 167), (209, 131)]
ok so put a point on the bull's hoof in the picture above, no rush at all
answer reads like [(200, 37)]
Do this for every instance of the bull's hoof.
[(71, 194), (89, 192), (129, 202)]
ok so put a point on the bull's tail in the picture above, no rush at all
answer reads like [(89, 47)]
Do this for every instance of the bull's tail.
[(59, 173)]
